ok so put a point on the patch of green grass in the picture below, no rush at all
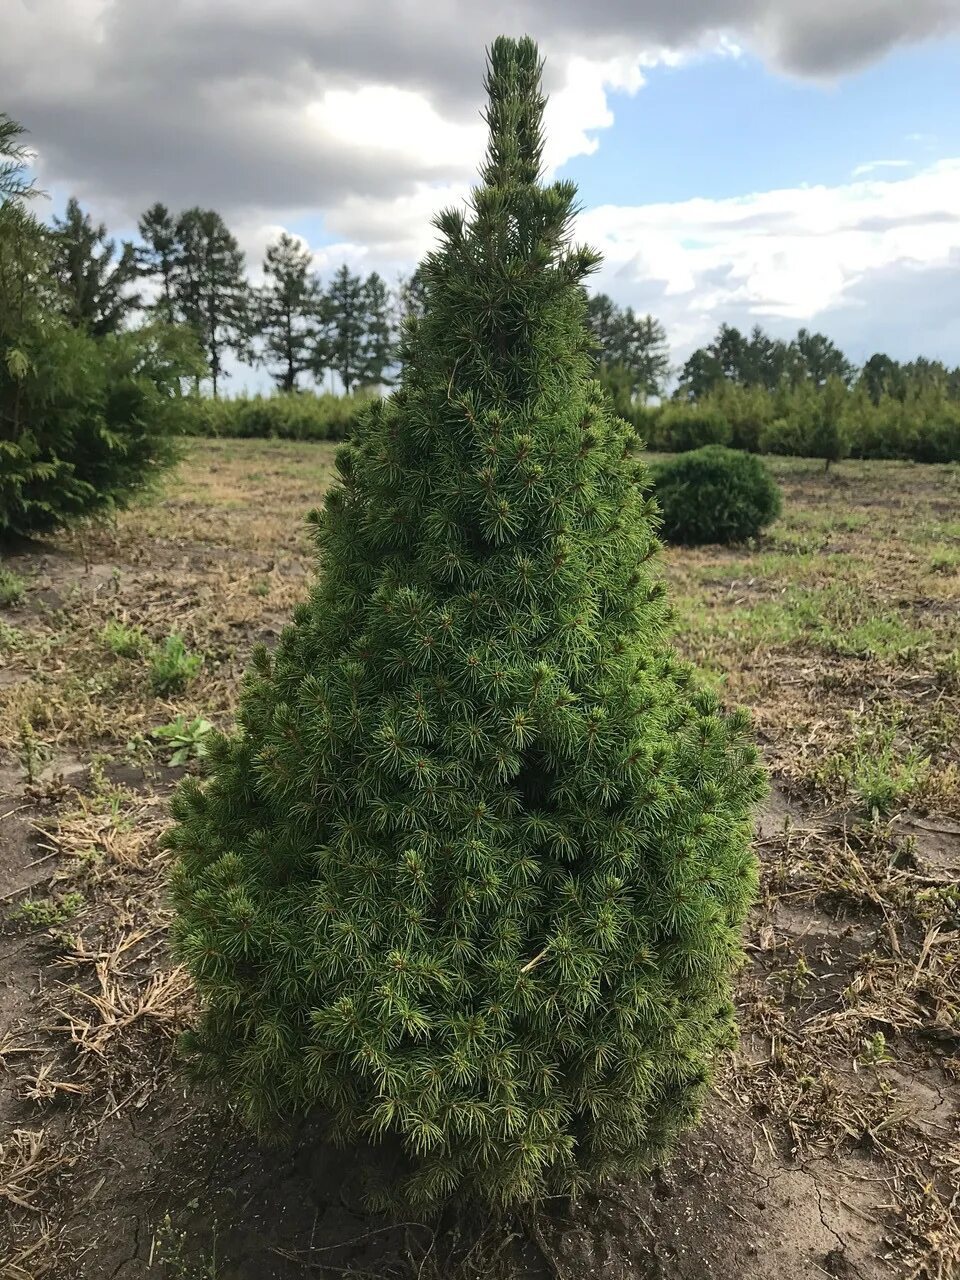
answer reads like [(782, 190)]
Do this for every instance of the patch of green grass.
[(12, 587), (946, 561), (124, 641), (838, 619), (874, 770), (172, 666), (11, 638), (47, 912)]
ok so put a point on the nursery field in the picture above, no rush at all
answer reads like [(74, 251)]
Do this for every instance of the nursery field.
[(831, 1145)]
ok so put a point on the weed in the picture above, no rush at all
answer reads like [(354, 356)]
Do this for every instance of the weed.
[(11, 638), (876, 1052), (173, 666), (12, 587), (873, 769), (124, 641), (185, 739), (169, 1249), (45, 912), (34, 754)]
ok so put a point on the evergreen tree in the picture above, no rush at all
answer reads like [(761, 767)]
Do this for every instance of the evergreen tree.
[(158, 256), (377, 349), (474, 868), (84, 422), (603, 316), (94, 280), (14, 158), (290, 307), (701, 372), (411, 298), (345, 313), (643, 353), (818, 358), (767, 360), (210, 288)]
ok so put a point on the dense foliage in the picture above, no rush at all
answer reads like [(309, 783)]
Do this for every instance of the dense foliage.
[(715, 494), (284, 416), (829, 422), (83, 423), (474, 868)]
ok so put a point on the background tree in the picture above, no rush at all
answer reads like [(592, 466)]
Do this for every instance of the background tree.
[(700, 373), (474, 869), (210, 289), (290, 305), (15, 156), (378, 347), (643, 352), (819, 358), (158, 256), (84, 422), (603, 316), (95, 281), (345, 310), (411, 297)]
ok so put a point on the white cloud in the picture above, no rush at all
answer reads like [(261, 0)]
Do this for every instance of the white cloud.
[(871, 166), (267, 109), (781, 258)]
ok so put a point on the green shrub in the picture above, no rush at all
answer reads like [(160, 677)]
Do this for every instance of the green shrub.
[(680, 427), (299, 415), (715, 495), (473, 870), (84, 424), (172, 667)]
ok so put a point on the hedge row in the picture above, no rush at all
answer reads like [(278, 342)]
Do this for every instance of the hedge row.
[(830, 423), (284, 416)]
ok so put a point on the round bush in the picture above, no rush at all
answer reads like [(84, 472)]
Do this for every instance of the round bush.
[(715, 495)]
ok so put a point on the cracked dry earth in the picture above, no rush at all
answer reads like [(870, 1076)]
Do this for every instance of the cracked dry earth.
[(830, 1145)]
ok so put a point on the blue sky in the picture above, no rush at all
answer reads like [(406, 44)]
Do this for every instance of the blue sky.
[(724, 126)]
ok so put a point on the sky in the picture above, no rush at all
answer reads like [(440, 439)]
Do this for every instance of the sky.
[(773, 162)]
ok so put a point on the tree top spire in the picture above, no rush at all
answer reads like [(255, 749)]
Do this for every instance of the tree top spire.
[(514, 112)]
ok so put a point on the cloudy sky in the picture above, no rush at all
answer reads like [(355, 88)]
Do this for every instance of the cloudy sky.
[(785, 162)]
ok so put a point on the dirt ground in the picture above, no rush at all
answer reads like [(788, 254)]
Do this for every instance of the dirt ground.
[(831, 1146)]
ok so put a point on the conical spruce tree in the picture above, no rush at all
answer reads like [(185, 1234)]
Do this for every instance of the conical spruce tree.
[(473, 869)]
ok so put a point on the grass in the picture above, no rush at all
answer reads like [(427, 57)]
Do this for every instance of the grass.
[(12, 588), (172, 667), (875, 770), (124, 641)]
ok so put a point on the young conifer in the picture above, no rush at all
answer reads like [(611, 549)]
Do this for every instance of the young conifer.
[(473, 869)]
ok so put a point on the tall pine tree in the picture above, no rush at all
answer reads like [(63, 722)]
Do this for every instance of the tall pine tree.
[(345, 314), (95, 280), (473, 870), (210, 288), (290, 308), (378, 346), (158, 256)]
